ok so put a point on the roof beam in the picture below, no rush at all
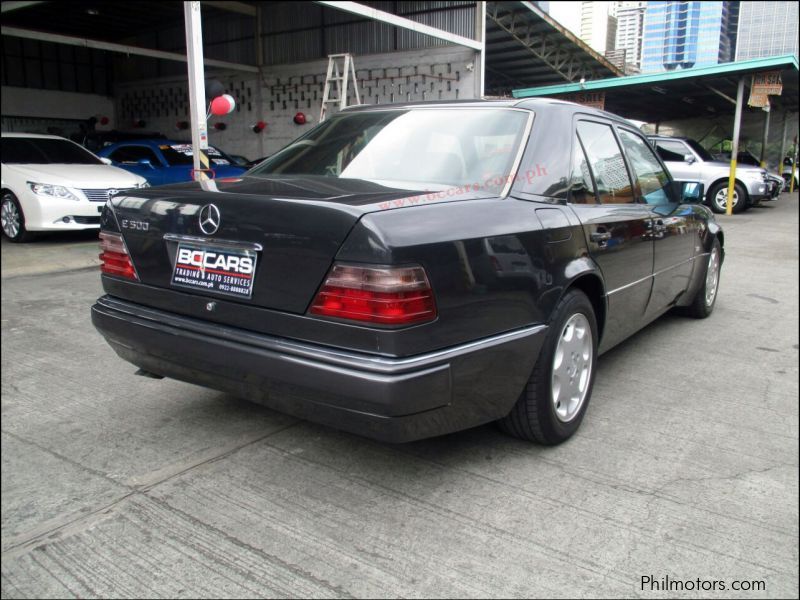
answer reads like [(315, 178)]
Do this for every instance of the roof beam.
[(121, 48), (397, 21), (237, 7), (9, 6)]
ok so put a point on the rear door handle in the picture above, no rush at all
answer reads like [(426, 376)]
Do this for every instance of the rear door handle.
[(600, 237)]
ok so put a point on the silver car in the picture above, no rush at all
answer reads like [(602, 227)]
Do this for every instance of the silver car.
[(687, 160)]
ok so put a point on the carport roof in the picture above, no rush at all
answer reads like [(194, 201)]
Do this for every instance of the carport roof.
[(703, 91), (525, 46)]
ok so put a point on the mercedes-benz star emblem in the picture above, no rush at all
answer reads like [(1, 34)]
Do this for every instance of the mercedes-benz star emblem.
[(209, 219), (112, 192)]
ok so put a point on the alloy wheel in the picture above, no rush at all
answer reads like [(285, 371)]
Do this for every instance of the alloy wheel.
[(721, 199), (712, 277), (573, 361), (10, 217)]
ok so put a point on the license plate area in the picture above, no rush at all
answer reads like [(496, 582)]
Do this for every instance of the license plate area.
[(216, 269)]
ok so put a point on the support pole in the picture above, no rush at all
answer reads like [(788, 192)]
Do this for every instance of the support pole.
[(737, 120), (783, 144), (480, 36), (765, 136), (197, 90), (794, 166)]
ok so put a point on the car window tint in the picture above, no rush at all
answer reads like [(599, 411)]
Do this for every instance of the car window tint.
[(133, 154), (606, 163), (43, 151), (671, 151), (651, 180), (581, 188)]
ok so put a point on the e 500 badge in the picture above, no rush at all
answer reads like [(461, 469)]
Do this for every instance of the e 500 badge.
[(221, 270)]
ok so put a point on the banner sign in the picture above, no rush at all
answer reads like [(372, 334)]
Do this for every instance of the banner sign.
[(764, 85)]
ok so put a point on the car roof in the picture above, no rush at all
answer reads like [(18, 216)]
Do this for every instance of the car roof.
[(669, 137), (539, 105), (43, 136)]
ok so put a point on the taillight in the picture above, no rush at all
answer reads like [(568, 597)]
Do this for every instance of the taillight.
[(114, 257), (383, 295)]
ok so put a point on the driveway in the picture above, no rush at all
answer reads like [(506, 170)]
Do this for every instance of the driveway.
[(686, 466)]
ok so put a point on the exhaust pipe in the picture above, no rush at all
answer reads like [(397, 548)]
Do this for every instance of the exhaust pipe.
[(144, 373)]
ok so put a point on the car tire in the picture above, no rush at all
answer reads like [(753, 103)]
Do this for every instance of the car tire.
[(544, 413), (717, 198), (706, 298), (13, 219)]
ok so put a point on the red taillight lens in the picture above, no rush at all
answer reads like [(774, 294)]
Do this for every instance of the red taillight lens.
[(115, 258), (388, 296)]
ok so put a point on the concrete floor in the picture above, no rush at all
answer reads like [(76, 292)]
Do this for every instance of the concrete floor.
[(686, 466)]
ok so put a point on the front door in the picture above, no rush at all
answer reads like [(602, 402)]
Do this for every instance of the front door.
[(617, 227)]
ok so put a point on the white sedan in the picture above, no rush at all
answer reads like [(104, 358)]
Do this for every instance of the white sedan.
[(52, 184)]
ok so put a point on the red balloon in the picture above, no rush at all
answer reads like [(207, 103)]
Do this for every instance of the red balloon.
[(300, 118), (223, 105)]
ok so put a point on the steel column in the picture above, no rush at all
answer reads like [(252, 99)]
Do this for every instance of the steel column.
[(765, 136), (197, 90), (737, 120)]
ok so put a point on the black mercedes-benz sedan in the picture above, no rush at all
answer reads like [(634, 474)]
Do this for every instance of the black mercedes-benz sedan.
[(406, 271)]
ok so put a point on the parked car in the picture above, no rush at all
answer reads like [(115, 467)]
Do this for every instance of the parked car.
[(52, 184), (746, 157), (340, 280), (166, 161), (687, 160), (97, 140)]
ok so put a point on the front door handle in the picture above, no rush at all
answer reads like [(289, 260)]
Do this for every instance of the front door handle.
[(601, 237)]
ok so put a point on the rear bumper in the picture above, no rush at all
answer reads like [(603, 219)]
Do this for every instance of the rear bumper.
[(390, 399)]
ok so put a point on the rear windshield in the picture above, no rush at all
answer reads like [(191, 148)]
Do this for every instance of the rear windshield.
[(409, 148), (42, 151), (182, 154)]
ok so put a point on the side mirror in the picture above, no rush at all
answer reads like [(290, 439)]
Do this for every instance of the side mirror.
[(689, 158), (690, 192), (105, 161), (145, 162)]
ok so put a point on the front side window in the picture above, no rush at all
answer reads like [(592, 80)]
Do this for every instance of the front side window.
[(651, 179), (409, 148), (43, 151), (671, 151), (606, 163), (133, 154)]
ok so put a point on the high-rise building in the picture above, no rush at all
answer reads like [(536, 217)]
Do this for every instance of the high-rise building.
[(593, 22), (599, 25), (682, 35), (766, 29), (630, 26)]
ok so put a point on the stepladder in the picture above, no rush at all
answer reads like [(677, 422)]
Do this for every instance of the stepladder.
[(340, 75)]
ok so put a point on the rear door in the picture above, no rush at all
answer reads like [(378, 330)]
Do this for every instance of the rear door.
[(617, 227), (673, 227)]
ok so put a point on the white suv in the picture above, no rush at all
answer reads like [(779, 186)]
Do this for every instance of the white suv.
[(687, 160), (50, 183)]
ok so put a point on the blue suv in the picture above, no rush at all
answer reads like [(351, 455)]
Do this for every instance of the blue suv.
[(165, 161)]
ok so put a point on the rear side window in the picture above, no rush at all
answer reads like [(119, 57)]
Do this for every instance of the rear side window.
[(671, 151), (651, 179), (606, 163), (133, 154), (581, 188)]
